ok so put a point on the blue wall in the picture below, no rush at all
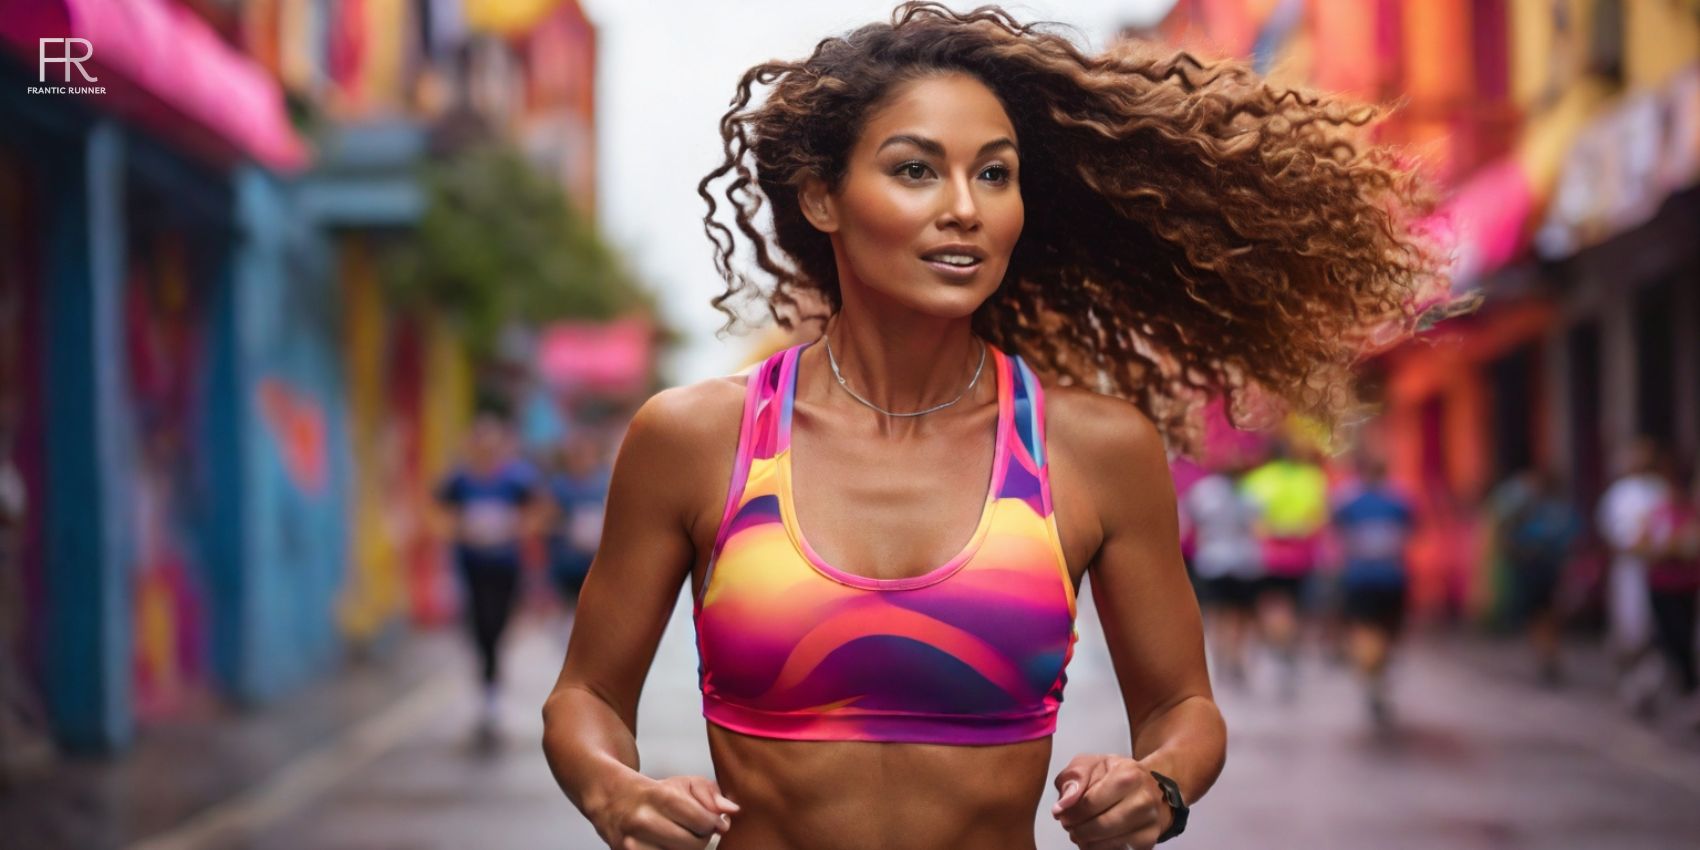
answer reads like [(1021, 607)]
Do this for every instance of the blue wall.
[(297, 530), (88, 546), (268, 544)]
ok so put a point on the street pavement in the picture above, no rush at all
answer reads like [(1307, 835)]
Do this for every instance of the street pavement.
[(1481, 759)]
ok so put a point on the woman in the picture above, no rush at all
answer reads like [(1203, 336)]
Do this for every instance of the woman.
[(1671, 545), (1291, 495), (1538, 529), (488, 505), (1373, 523), (578, 487), (883, 635), (1228, 562)]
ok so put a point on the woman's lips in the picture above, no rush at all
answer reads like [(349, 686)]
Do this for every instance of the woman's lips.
[(954, 272)]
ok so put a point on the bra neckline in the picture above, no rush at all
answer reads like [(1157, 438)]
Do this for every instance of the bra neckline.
[(788, 510)]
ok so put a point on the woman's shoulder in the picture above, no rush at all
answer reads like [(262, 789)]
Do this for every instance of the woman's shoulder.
[(694, 416), (1098, 427)]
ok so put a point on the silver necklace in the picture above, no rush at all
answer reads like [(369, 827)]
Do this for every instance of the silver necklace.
[(841, 382)]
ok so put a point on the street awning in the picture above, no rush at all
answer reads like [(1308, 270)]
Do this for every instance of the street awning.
[(163, 67), (612, 358)]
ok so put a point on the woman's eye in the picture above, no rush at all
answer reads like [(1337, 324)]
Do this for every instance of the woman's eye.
[(919, 170)]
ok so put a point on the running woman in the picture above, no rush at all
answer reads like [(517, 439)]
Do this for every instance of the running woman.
[(1374, 524), (1621, 519), (1291, 495), (1228, 560), (884, 528), (578, 490), (1671, 545), (491, 500)]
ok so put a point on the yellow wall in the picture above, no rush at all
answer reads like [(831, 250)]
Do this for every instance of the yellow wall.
[(372, 595), (1662, 38)]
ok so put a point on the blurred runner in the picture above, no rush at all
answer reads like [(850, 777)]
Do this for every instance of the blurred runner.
[(1228, 563), (1291, 496), (1622, 520), (1538, 529), (578, 490), (1374, 525), (1671, 545), (489, 499)]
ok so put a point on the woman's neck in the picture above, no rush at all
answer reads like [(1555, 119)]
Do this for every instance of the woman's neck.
[(903, 365)]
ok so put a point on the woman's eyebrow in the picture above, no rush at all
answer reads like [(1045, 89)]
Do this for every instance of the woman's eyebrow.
[(937, 149)]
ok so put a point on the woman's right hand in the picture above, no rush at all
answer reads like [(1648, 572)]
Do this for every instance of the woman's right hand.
[(676, 813)]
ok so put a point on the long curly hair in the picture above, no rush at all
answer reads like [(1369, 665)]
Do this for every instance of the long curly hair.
[(1191, 232)]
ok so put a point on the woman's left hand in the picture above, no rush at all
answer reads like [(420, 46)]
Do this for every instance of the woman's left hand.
[(1110, 802)]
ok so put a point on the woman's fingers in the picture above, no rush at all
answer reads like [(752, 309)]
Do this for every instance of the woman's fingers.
[(708, 794), (1129, 814), (662, 833), (685, 811), (1073, 780)]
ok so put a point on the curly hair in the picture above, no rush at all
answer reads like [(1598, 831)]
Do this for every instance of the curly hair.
[(1191, 232)]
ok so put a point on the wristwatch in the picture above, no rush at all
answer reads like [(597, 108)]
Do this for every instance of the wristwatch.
[(1177, 806)]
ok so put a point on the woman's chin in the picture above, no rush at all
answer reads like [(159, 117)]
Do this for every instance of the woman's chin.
[(945, 301)]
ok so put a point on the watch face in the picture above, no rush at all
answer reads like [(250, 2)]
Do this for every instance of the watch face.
[(1171, 791)]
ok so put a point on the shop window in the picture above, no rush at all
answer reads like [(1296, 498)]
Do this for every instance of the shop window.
[(1587, 450), (1655, 361), (1605, 40), (1514, 406)]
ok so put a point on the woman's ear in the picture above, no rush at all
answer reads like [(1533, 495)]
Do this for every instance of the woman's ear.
[(817, 204)]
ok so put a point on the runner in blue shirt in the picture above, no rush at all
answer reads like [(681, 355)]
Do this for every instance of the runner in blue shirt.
[(578, 488), (1373, 523), (490, 497)]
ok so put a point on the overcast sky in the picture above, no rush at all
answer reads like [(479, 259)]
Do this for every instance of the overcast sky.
[(667, 69)]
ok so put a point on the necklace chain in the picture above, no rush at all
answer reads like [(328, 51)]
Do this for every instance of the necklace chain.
[(833, 360)]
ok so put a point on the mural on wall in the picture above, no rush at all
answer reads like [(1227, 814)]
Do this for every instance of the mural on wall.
[(383, 379), (409, 399), (445, 411), (164, 329), (295, 421)]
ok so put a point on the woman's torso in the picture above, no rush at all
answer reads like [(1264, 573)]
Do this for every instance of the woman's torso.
[(820, 794)]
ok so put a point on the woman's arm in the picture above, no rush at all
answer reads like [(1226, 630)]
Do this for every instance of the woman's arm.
[(646, 553), (1152, 624)]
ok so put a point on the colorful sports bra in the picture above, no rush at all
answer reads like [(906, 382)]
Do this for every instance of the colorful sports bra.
[(973, 652)]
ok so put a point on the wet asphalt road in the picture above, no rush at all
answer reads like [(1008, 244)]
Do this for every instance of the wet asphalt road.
[(1481, 759)]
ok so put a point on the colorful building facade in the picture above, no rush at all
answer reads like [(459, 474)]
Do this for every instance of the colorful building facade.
[(1567, 133), (208, 404)]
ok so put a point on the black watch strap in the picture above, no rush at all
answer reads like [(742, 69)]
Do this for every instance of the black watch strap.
[(1177, 806)]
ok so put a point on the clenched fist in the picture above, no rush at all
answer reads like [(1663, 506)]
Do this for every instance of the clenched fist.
[(1110, 802), (676, 813)]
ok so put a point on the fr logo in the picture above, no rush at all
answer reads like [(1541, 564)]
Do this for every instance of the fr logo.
[(65, 58)]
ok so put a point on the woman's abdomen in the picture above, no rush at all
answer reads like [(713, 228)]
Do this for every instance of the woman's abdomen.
[(826, 795)]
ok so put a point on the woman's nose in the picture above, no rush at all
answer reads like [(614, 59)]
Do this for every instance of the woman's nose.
[(961, 205)]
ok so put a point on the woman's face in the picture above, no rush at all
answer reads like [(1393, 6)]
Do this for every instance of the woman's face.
[(931, 184)]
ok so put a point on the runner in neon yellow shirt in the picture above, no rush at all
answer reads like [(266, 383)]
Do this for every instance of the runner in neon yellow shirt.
[(1291, 496)]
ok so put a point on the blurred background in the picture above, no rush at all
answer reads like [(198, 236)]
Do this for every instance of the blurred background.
[(269, 267)]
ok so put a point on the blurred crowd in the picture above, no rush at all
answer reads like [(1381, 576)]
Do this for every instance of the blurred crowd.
[(1289, 543), (1287, 548)]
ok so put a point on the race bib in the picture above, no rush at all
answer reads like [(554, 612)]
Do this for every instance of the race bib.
[(487, 522), (584, 529)]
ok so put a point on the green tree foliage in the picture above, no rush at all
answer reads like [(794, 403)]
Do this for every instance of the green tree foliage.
[(501, 243)]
